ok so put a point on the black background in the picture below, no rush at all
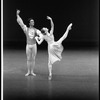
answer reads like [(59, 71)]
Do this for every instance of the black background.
[(82, 13)]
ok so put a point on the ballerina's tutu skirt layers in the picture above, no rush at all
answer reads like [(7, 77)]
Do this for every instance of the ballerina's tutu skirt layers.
[(55, 51)]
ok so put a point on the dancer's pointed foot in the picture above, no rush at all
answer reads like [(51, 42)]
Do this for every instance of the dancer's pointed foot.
[(69, 27), (50, 76), (27, 74)]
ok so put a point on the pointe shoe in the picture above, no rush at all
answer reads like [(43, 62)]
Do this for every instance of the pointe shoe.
[(69, 27), (50, 77)]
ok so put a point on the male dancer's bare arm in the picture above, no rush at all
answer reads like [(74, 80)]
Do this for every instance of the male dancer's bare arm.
[(20, 21), (52, 24)]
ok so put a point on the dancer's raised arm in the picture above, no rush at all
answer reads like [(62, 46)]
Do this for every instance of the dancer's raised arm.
[(52, 24), (20, 21)]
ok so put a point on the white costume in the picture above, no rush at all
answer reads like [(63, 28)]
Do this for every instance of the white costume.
[(55, 48)]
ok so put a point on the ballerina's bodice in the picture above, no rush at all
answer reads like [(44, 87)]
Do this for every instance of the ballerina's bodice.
[(49, 39)]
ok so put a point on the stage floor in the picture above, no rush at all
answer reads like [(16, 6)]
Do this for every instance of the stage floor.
[(74, 77)]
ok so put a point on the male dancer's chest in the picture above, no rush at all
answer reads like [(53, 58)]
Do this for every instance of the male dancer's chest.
[(31, 33)]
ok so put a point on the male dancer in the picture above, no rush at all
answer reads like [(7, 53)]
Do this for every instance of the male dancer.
[(31, 47)]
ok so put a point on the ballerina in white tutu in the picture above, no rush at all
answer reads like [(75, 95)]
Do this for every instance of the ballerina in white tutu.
[(55, 48)]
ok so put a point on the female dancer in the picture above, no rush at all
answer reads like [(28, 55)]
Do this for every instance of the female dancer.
[(55, 48)]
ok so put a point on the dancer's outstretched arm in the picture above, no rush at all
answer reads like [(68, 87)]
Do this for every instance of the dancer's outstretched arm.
[(52, 24), (20, 21)]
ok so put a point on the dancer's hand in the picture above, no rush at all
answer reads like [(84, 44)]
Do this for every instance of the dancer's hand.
[(18, 11), (69, 27), (49, 18), (36, 37)]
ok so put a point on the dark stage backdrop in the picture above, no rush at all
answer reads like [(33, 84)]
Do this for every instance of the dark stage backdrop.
[(84, 14)]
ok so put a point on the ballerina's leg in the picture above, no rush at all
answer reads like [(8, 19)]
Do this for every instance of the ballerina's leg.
[(50, 69), (65, 34), (62, 38)]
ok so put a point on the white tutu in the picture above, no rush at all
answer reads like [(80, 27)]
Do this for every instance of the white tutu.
[(55, 49)]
